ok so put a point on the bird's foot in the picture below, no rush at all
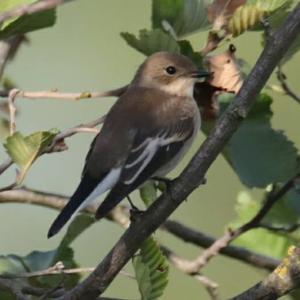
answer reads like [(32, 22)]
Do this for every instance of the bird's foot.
[(164, 182), (135, 214)]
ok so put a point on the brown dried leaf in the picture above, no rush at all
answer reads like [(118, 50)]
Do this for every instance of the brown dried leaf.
[(226, 77), (225, 69), (220, 11)]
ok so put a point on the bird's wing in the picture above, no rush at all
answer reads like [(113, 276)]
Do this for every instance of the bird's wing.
[(149, 153)]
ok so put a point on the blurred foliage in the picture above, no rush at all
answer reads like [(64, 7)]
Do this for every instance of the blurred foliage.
[(260, 155), (27, 23)]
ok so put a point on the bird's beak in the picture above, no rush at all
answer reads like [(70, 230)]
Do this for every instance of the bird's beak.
[(200, 74)]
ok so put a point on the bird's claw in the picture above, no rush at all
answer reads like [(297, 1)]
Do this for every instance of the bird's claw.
[(135, 214)]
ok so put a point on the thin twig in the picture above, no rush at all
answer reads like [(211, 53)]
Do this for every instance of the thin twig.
[(55, 201), (286, 88), (56, 144), (182, 264), (255, 222), (58, 268), (203, 240), (12, 110), (55, 94)]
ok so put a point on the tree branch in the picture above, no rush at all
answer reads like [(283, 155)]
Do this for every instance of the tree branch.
[(56, 144), (205, 241), (181, 231), (284, 279), (54, 94), (255, 222), (97, 282)]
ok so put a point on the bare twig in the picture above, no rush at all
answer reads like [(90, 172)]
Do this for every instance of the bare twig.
[(181, 231), (286, 88), (58, 268), (56, 144), (183, 264), (284, 279), (54, 94), (12, 110)]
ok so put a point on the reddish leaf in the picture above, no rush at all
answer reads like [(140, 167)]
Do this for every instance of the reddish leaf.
[(225, 78), (225, 69)]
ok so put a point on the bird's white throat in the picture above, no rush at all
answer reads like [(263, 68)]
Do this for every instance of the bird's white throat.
[(183, 87)]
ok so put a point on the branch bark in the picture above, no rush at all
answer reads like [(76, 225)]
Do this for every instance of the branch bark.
[(97, 282), (284, 279)]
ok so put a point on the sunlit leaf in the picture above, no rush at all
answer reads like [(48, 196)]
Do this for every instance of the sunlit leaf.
[(148, 192), (151, 270), (27, 23), (259, 240), (150, 42), (24, 150), (183, 16)]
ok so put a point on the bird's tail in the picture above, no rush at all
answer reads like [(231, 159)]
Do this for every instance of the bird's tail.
[(84, 189), (112, 200)]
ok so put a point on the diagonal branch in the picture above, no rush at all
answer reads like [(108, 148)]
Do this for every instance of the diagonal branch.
[(98, 281), (255, 222), (284, 279)]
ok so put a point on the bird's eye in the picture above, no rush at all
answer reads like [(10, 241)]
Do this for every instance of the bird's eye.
[(171, 70)]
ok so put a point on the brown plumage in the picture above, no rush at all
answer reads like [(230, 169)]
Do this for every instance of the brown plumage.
[(145, 134)]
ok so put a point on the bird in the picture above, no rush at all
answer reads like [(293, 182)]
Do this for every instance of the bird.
[(145, 134)]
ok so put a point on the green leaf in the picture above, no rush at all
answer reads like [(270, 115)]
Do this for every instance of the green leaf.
[(259, 240), (259, 154), (249, 15), (187, 50), (151, 270), (148, 193), (25, 150), (182, 16), (150, 42), (78, 225), (27, 23)]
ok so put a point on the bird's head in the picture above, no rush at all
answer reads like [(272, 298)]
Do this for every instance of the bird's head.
[(170, 72)]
